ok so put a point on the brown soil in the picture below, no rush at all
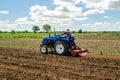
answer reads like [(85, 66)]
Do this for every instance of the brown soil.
[(20, 64)]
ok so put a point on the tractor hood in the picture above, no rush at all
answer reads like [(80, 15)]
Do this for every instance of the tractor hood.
[(53, 38)]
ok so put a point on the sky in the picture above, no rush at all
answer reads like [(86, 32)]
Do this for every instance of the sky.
[(88, 15)]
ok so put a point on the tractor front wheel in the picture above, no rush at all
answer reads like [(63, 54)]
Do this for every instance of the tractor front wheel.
[(60, 47), (43, 49)]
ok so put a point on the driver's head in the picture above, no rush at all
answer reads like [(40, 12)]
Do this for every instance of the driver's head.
[(68, 30)]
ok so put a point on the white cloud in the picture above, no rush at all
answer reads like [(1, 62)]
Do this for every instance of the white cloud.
[(85, 25), (111, 4), (81, 19), (93, 4), (19, 25), (3, 22), (66, 2), (101, 26), (4, 12), (6, 26), (65, 12), (94, 11), (60, 15), (103, 4), (69, 11), (117, 23), (117, 26), (38, 8), (106, 17), (23, 20), (66, 24), (98, 24)]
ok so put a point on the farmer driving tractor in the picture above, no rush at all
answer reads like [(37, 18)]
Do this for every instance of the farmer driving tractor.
[(62, 45), (67, 33)]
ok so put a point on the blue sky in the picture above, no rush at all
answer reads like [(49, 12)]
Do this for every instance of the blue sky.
[(88, 15)]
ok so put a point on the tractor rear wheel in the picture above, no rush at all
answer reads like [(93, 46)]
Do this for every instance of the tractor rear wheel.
[(43, 49), (60, 47)]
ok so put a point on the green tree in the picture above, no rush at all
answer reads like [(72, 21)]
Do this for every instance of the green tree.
[(0, 31), (73, 31), (47, 27), (25, 31), (12, 31), (80, 31), (35, 28), (104, 32)]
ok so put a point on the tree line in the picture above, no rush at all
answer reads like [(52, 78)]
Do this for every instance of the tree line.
[(46, 28), (35, 29)]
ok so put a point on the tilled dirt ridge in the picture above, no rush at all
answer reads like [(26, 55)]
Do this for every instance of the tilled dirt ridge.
[(20, 64)]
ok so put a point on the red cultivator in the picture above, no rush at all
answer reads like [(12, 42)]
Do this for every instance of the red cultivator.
[(79, 52)]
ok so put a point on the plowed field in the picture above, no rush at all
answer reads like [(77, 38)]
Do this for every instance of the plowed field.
[(21, 64)]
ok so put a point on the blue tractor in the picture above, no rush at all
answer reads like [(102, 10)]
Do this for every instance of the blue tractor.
[(60, 45)]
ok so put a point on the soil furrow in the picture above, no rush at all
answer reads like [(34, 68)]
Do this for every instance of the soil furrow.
[(21, 64)]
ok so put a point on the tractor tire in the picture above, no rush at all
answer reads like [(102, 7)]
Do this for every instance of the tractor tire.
[(60, 48), (44, 49)]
